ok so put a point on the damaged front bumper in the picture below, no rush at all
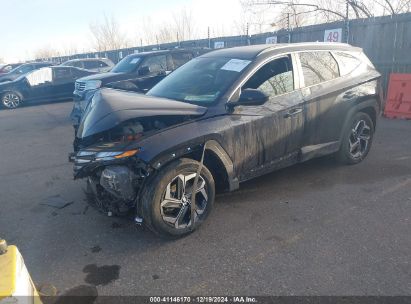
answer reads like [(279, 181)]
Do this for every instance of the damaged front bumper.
[(114, 178)]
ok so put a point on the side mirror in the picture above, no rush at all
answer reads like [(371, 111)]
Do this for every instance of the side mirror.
[(251, 97), (143, 71)]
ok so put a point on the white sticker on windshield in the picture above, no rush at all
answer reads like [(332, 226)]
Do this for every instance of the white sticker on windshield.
[(236, 65), (135, 60)]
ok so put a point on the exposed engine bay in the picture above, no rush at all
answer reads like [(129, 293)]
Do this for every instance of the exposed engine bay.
[(144, 126), (113, 189), (107, 144)]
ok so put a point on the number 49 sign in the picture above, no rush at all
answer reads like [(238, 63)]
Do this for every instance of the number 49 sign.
[(334, 35)]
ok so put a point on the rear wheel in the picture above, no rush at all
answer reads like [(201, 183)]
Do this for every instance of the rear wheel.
[(11, 100), (357, 139), (167, 199)]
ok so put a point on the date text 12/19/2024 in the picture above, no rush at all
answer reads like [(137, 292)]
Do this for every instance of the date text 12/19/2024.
[(202, 299)]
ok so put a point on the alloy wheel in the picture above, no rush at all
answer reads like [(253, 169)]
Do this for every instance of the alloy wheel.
[(176, 202), (359, 139), (11, 100)]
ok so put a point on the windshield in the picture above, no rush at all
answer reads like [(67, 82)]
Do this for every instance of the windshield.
[(127, 65), (22, 69), (200, 81)]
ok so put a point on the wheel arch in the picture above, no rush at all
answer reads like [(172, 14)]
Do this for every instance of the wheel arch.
[(372, 113), (216, 160), (19, 93), (13, 91), (369, 107)]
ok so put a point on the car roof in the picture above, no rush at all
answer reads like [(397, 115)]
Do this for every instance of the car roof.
[(159, 52), (83, 59), (37, 63), (253, 51)]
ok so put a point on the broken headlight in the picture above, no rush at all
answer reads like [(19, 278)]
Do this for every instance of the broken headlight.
[(104, 156)]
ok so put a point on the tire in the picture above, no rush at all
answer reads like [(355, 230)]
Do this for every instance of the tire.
[(356, 140), (11, 100), (172, 218)]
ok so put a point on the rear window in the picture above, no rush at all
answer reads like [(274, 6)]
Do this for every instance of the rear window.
[(347, 62), (180, 58), (157, 64), (318, 67), (94, 64), (76, 64)]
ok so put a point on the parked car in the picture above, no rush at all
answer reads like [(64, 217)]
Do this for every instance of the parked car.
[(221, 119), (136, 72), (22, 69), (45, 84), (5, 68), (98, 65)]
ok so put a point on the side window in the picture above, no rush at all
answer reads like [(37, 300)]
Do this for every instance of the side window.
[(102, 64), (77, 64), (318, 67), (157, 64), (91, 64), (61, 74), (180, 58), (346, 62), (274, 78)]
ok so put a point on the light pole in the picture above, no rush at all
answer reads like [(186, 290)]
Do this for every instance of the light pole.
[(347, 23)]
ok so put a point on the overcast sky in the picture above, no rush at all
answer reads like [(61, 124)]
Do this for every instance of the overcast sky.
[(27, 25)]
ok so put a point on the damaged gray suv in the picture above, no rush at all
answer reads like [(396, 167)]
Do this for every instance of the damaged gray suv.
[(223, 118)]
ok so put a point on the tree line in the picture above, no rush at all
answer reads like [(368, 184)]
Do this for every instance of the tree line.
[(256, 16)]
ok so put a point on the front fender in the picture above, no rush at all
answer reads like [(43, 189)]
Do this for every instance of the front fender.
[(158, 153)]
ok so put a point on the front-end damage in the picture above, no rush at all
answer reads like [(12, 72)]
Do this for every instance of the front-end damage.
[(114, 178), (107, 146)]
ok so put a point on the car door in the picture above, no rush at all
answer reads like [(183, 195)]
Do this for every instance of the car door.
[(39, 84), (271, 133), (321, 90), (63, 82), (152, 70)]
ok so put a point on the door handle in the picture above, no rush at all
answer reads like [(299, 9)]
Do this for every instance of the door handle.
[(293, 112)]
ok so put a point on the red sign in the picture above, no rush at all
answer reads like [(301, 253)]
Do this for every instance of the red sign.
[(399, 97)]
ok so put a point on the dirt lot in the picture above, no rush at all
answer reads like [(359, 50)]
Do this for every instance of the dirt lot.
[(312, 229)]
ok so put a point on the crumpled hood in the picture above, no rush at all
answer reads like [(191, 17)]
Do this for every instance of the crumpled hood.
[(111, 107)]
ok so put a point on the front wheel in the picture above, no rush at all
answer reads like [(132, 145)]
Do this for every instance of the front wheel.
[(357, 139), (167, 199), (11, 100)]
